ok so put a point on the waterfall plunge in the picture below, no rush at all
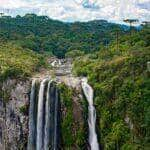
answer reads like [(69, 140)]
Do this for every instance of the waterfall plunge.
[(88, 92), (47, 119), (32, 118), (40, 116), (44, 131)]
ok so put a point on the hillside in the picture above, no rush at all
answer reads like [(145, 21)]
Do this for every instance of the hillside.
[(42, 34), (16, 62), (121, 83)]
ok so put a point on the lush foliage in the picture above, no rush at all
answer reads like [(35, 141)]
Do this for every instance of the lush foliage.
[(73, 135), (121, 82), (17, 62), (41, 34), (74, 54)]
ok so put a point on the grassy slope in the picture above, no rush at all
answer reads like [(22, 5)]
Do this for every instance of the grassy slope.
[(121, 83)]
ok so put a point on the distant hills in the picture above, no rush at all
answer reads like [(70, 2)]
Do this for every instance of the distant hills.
[(42, 34)]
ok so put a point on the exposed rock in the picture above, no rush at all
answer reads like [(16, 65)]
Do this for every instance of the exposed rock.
[(129, 122), (13, 122)]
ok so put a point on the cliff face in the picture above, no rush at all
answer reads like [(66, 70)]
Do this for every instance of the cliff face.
[(14, 108), (14, 114)]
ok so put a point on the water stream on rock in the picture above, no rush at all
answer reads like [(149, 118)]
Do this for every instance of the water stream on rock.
[(44, 131), (32, 118), (40, 117), (88, 92)]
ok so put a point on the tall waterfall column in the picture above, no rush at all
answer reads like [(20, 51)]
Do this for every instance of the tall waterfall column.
[(32, 117), (88, 92), (40, 117), (57, 120), (51, 140), (45, 135), (48, 116)]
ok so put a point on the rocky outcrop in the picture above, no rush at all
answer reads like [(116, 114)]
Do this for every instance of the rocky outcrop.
[(14, 114)]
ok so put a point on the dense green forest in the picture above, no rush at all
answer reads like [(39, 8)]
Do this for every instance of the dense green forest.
[(121, 81), (42, 34)]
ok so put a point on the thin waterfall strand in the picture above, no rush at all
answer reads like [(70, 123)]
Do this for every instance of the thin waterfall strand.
[(88, 92), (40, 115), (32, 120), (56, 120), (47, 119)]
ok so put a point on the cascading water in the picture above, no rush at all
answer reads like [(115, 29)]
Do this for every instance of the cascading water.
[(40, 117), (44, 131), (47, 119), (44, 116), (32, 118), (56, 120), (88, 92)]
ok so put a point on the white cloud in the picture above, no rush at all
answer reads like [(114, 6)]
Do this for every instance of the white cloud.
[(80, 10)]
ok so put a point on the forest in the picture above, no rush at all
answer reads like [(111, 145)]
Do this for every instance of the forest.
[(42, 34)]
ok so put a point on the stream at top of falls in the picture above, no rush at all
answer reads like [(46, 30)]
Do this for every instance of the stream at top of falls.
[(88, 92)]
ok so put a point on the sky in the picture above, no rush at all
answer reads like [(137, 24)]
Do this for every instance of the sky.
[(80, 10)]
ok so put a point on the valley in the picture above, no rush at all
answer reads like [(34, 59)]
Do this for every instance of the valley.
[(73, 86)]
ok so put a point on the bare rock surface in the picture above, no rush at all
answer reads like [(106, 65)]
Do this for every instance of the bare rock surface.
[(13, 115)]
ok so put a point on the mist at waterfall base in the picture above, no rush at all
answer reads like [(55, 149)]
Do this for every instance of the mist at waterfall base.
[(88, 92), (44, 117)]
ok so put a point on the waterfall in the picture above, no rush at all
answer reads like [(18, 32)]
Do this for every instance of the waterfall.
[(56, 120), (32, 118), (47, 119), (40, 117), (88, 92), (44, 131)]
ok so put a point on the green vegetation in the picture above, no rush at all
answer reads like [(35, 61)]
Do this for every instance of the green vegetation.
[(74, 54), (18, 62), (24, 109), (41, 34), (73, 136), (121, 83)]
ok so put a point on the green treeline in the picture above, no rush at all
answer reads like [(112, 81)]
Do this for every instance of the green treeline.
[(41, 34)]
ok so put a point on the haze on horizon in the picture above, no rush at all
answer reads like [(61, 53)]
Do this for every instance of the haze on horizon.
[(80, 10)]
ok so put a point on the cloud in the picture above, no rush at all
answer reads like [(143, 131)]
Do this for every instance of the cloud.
[(80, 10)]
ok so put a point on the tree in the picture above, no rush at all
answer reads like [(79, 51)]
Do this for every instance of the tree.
[(1, 14), (131, 22), (117, 38), (146, 23)]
